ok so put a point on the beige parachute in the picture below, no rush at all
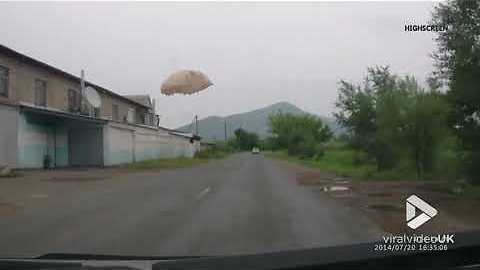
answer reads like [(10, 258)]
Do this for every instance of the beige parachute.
[(185, 82)]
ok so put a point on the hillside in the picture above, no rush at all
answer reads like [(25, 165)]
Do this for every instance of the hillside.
[(212, 127)]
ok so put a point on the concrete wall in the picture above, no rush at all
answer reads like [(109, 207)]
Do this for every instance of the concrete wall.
[(68, 144), (117, 144), (32, 143), (125, 144), (37, 139), (8, 135), (182, 147), (150, 144)]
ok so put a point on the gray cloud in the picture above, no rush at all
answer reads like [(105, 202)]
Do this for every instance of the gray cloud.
[(255, 53)]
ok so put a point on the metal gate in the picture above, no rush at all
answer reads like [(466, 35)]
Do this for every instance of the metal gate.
[(85, 146)]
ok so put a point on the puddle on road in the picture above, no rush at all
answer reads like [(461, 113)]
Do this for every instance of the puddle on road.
[(341, 195), (340, 179), (336, 188), (338, 191)]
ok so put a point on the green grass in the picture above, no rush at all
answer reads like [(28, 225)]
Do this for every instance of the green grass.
[(170, 163), (167, 163), (345, 162), (342, 162)]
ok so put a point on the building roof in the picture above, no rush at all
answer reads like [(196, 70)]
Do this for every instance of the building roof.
[(26, 59), (142, 99), (59, 114)]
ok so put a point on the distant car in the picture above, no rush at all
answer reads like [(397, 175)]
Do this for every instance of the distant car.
[(255, 150)]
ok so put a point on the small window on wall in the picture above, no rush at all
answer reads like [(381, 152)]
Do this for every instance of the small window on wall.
[(146, 119), (131, 115), (40, 93), (96, 112), (4, 81), (73, 100), (115, 113), (143, 118)]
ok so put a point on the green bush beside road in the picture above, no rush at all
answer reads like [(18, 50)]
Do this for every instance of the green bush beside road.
[(341, 159), (215, 151), (218, 150), (166, 163)]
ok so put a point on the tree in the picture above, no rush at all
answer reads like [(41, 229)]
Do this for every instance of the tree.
[(245, 140), (458, 66), (301, 135), (391, 118), (357, 114), (424, 127), (371, 114), (388, 99)]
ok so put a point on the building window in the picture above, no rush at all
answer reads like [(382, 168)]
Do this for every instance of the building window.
[(146, 119), (3, 81), (131, 115), (149, 119), (40, 93), (142, 118), (96, 112), (73, 100), (115, 114)]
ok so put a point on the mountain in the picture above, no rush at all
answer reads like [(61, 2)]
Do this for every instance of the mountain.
[(213, 127)]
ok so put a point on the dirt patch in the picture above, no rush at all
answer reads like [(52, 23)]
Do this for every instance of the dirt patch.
[(74, 178), (384, 201), (7, 209), (319, 178), (380, 194), (313, 178), (385, 207), (70, 174)]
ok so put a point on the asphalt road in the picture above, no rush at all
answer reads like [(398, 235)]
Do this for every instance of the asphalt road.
[(243, 204)]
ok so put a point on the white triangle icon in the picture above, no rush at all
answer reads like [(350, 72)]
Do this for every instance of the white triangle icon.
[(427, 212)]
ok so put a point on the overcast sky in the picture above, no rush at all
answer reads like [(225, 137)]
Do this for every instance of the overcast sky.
[(255, 53)]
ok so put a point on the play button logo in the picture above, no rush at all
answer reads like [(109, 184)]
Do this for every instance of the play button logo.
[(428, 212)]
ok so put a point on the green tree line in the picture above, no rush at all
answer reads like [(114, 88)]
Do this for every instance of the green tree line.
[(399, 124), (394, 120)]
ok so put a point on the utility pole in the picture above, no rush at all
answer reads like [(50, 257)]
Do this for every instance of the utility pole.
[(196, 124), (82, 88), (225, 128), (82, 81)]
